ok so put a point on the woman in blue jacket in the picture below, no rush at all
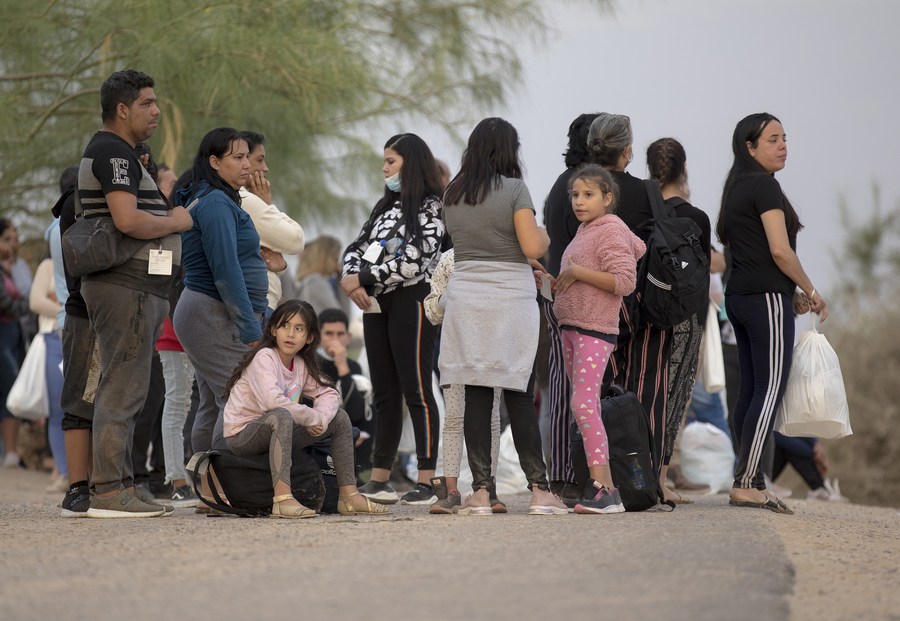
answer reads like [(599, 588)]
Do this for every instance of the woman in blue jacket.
[(218, 316)]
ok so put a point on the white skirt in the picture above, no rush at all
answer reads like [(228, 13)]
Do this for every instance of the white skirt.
[(491, 325)]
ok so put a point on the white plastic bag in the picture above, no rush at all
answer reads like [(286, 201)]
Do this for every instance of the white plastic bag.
[(712, 364), (707, 457), (27, 398), (815, 402)]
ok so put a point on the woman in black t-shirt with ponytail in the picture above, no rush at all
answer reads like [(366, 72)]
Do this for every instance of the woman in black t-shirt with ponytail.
[(759, 226)]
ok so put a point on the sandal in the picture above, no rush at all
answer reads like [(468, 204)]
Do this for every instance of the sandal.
[(290, 511), (345, 507), (775, 506)]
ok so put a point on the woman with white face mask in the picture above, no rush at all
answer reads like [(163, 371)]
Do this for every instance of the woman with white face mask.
[(387, 273)]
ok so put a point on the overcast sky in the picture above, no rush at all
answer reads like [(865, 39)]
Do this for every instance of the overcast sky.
[(692, 68)]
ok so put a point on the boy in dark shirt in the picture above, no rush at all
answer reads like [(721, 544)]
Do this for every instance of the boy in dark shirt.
[(339, 367)]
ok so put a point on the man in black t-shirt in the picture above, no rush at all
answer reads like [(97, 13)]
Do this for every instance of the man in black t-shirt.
[(127, 303)]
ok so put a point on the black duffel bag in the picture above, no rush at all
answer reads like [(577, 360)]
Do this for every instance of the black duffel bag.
[(247, 481)]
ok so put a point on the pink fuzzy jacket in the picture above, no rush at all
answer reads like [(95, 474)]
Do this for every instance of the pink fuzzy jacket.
[(267, 384), (604, 245)]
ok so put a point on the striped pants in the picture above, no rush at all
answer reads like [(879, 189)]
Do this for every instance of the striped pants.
[(764, 329), (560, 390), (640, 364)]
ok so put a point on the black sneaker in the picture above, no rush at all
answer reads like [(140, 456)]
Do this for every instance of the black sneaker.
[(77, 502), (421, 494), (184, 497), (379, 492)]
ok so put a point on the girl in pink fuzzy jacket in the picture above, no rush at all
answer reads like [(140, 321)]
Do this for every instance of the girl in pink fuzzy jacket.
[(598, 270)]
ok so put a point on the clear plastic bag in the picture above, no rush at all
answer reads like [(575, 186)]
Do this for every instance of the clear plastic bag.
[(27, 398), (815, 402)]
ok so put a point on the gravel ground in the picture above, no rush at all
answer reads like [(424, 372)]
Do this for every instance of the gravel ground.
[(705, 561)]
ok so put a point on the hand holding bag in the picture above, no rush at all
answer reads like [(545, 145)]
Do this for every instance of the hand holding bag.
[(27, 398), (815, 402)]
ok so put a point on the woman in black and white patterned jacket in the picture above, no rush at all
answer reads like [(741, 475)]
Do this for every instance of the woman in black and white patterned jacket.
[(387, 274)]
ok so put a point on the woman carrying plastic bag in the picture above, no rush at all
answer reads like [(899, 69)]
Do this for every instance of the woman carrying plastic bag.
[(815, 402)]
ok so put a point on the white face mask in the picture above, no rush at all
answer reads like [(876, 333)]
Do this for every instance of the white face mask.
[(393, 182)]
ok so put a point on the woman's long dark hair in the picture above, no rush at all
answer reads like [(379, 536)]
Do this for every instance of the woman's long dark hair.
[(749, 129), (280, 317), (420, 179), (492, 152), (218, 142)]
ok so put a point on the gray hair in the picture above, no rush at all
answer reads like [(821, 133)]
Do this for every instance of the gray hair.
[(608, 137)]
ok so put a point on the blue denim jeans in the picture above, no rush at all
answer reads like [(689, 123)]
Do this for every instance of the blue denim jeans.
[(54, 390), (707, 407), (179, 377), (126, 324)]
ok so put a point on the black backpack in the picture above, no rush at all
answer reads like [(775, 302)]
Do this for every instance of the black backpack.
[(673, 275), (247, 481), (632, 458)]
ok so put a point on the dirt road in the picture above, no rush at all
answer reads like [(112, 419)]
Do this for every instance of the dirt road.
[(706, 561)]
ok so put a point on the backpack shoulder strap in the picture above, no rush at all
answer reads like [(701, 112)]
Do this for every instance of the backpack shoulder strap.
[(660, 209)]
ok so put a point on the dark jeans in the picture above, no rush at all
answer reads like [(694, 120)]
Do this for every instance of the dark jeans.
[(400, 349), (126, 324), (148, 430), (525, 431), (764, 329)]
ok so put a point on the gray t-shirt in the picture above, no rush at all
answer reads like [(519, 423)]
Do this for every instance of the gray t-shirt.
[(486, 232)]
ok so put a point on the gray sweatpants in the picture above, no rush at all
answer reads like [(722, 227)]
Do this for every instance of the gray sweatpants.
[(213, 343), (276, 434), (126, 324)]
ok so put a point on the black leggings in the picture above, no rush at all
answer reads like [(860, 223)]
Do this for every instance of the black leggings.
[(525, 430), (400, 349), (764, 329)]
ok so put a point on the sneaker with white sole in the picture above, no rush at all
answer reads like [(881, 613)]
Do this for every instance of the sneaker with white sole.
[(549, 504), (830, 491), (122, 505), (605, 501), (76, 502), (380, 492), (421, 494), (142, 493), (184, 497)]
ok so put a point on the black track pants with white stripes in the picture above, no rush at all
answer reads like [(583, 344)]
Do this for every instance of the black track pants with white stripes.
[(764, 329)]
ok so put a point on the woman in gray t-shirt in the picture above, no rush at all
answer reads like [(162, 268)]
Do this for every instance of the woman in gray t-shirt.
[(491, 322)]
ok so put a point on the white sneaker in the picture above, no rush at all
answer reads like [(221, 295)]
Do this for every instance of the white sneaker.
[(11, 460), (830, 492)]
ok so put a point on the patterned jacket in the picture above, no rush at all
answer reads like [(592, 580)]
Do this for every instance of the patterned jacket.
[(410, 263)]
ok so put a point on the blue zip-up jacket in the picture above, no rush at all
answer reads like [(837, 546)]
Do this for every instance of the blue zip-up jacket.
[(221, 259)]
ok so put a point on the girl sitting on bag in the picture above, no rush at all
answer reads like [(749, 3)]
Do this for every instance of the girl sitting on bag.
[(264, 412)]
